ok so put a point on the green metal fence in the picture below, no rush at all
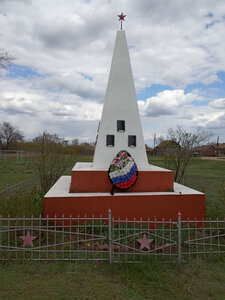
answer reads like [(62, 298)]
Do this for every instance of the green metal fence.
[(6, 154), (108, 239)]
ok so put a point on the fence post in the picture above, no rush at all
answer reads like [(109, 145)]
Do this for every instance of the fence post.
[(110, 237), (36, 182), (1, 244), (179, 236), (7, 194)]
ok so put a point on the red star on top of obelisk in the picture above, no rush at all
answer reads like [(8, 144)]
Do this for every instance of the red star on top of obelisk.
[(121, 18), (28, 239), (144, 242)]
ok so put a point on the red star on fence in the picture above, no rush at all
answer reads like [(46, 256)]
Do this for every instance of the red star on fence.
[(28, 239), (145, 242)]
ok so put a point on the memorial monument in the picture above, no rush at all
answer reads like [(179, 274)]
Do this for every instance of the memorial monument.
[(120, 177)]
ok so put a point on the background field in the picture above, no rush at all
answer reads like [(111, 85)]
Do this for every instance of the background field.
[(150, 280), (12, 172), (202, 175)]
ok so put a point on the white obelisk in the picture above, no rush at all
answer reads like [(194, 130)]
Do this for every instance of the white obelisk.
[(120, 105)]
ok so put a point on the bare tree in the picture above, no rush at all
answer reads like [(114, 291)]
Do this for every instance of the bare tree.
[(5, 58), (75, 142), (47, 143), (49, 161), (178, 149), (9, 135)]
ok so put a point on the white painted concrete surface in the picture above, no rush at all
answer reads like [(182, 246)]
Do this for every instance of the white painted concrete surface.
[(87, 166), (120, 104)]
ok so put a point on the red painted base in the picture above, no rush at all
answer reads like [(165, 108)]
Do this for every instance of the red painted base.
[(98, 182), (136, 206), (165, 205)]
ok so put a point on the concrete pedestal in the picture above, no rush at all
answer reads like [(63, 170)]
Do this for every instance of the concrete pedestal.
[(87, 179), (59, 201)]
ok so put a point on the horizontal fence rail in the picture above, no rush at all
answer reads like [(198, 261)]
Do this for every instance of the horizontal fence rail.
[(26, 185), (6, 154), (110, 239), (203, 238), (135, 240)]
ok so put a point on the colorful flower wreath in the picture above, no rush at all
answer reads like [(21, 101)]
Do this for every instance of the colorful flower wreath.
[(123, 171)]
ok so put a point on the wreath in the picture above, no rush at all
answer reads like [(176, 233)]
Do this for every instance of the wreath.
[(123, 171)]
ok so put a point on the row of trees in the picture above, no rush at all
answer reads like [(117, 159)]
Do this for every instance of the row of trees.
[(13, 138)]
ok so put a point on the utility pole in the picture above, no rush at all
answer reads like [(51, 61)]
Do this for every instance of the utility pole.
[(217, 146), (154, 142)]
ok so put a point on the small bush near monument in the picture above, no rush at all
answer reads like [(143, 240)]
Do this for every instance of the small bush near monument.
[(22, 203)]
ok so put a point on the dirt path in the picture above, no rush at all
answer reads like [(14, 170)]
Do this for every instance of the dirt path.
[(212, 158)]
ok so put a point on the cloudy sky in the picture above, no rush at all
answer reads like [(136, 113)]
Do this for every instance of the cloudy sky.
[(63, 53)]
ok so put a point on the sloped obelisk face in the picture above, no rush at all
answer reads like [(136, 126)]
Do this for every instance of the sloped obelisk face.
[(120, 126)]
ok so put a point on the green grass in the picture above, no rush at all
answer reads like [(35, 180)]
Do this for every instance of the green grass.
[(77, 158), (22, 203), (12, 172), (208, 176), (66, 280), (25, 201), (204, 175)]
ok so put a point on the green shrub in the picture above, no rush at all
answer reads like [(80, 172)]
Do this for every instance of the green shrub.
[(22, 203)]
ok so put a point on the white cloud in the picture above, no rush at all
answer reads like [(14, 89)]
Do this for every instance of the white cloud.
[(173, 43), (165, 103), (171, 108), (218, 103), (204, 119), (34, 111)]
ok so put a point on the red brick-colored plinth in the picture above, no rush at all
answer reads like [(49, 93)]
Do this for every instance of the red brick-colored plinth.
[(98, 182), (128, 206)]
